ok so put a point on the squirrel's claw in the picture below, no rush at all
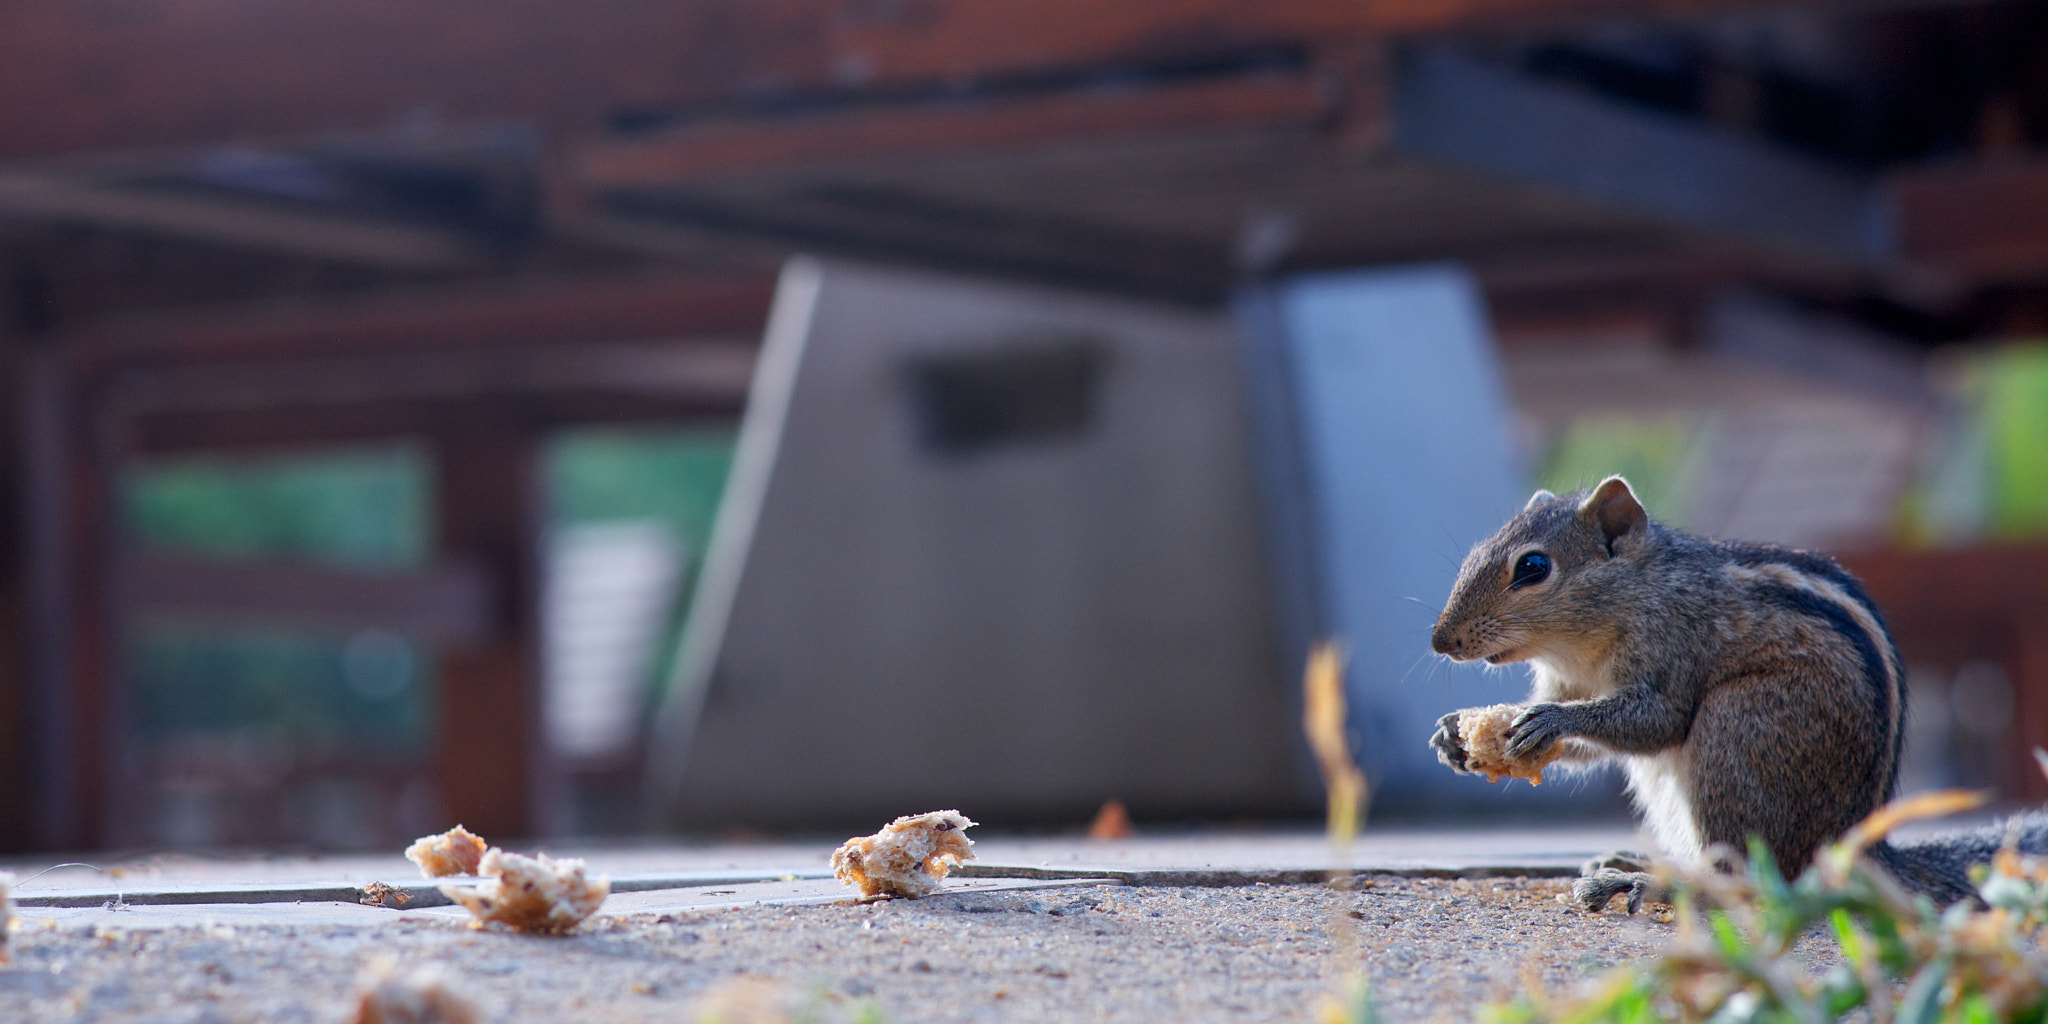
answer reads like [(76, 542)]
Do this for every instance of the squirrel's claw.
[(1449, 748), (1535, 730)]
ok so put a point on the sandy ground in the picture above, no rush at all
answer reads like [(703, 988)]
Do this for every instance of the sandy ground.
[(1434, 949)]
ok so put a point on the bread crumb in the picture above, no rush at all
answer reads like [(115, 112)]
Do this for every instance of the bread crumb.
[(1484, 734), (907, 857), (531, 894), (384, 996), (377, 894), (457, 851)]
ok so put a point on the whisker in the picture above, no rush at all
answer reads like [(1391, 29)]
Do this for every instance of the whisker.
[(1427, 609), (1412, 666), (1448, 537)]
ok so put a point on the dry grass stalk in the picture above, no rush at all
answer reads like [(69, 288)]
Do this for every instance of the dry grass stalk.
[(1883, 821), (1323, 719)]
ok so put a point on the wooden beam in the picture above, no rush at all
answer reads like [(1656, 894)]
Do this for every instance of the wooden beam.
[(131, 73), (18, 719), (252, 224), (874, 180), (127, 73), (76, 702), (491, 760), (283, 428), (1966, 583), (491, 316), (883, 221), (451, 603), (1466, 113), (737, 146), (714, 370), (375, 396), (58, 820), (965, 39), (1951, 607), (1986, 221), (2029, 670)]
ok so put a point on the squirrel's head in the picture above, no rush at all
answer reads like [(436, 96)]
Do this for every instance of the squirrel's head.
[(1526, 590)]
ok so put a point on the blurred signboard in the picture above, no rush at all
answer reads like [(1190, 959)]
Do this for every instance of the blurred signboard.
[(984, 546)]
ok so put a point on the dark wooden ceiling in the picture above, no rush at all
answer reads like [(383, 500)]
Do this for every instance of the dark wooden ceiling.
[(229, 150)]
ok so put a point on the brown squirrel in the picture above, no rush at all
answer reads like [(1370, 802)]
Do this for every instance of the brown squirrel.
[(1746, 689)]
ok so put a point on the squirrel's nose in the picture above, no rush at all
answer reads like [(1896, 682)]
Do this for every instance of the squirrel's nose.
[(1442, 642)]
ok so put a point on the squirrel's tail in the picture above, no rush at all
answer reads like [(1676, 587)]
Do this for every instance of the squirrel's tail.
[(1940, 865)]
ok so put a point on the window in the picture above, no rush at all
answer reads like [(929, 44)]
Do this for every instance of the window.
[(1023, 394)]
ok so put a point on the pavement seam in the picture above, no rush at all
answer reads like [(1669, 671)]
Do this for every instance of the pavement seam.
[(418, 895)]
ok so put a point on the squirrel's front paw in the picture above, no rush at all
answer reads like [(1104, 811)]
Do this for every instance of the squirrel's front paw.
[(1449, 748), (1535, 730)]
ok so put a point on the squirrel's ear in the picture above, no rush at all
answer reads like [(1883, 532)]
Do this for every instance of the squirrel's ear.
[(1538, 498), (1613, 508)]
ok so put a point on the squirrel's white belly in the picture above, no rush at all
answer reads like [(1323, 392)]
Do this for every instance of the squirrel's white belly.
[(1658, 784)]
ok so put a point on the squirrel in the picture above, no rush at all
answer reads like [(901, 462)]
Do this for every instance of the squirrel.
[(1746, 689)]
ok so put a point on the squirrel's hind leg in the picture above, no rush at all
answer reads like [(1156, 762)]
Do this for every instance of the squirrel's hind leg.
[(1596, 889), (1619, 860), (1616, 873)]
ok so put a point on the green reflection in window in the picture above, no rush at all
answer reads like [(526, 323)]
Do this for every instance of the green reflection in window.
[(320, 695), (366, 507)]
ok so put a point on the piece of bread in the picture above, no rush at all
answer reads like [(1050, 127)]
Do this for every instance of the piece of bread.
[(1484, 734), (377, 894), (531, 894), (908, 857), (457, 851)]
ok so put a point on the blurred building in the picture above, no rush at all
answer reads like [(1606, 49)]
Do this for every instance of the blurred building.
[(372, 369)]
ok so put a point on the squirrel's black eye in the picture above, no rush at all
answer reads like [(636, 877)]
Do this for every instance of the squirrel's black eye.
[(1530, 569)]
